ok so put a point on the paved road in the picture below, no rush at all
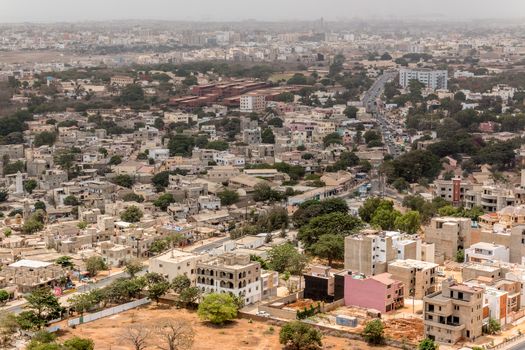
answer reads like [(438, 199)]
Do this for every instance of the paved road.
[(210, 246), (519, 346), (369, 101)]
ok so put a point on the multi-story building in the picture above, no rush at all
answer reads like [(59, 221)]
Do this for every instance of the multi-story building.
[(175, 263), (481, 252), (252, 102), (368, 253), (319, 284), (432, 79), (231, 273), (448, 235), (380, 292), (418, 277), (454, 313), (121, 80)]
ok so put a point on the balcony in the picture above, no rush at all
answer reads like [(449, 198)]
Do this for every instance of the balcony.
[(454, 327)]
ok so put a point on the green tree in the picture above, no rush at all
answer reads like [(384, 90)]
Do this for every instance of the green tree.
[(334, 223), (286, 258), (30, 185), (123, 180), (228, 197), (132, 93), (180, 283), (313, 208), (82, 302), (157, 285), (31, 226), (460, 256), (493, 327), (330, 247), (115, 160), (371, 205), (385, 218), (263, 192), (4, 296), (333, 138), (218, 145), (131, 214), (71, 200), (164, 201), (133, 197), (297, 335), (267, 136), (4, 194), (39, 205), (374, 332), (103, 151), (351, 112), (133, 266), (217, 308), (161, 180), (181, 145), (409, 222), (77, 343), (42, 307), (65, 261), (189, 296), (45, 138), (428, 344), (95, 264)]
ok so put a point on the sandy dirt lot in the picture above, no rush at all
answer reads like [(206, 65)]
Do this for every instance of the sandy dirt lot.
[(241, 334)]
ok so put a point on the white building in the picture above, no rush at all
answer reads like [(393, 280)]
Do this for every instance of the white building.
[(432, 79), (209, 202), (175, 263), (159, 154), (252, 103), (482, 252)]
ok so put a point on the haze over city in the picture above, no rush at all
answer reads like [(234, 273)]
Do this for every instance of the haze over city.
[(269, 10), (266, 175)]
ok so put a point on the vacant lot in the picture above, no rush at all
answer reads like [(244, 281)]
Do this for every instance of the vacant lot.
[(241, 334)]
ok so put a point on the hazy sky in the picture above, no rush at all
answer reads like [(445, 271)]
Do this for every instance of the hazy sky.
[(221, 10)]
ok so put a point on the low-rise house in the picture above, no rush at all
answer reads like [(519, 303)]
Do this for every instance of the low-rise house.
[(381, 292), (28, 275), (481, 252)]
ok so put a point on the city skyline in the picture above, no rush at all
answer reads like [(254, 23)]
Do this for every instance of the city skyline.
[(271, 10)]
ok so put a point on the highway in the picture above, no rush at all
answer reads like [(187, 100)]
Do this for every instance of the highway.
[(370, 102)]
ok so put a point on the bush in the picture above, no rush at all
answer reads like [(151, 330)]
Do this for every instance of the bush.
[(374, 332)]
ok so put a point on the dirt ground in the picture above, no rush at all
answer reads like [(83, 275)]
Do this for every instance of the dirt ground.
[(240, 334)]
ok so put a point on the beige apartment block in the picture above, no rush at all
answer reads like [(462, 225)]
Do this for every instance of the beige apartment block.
[(175, 263), (454, 313), (449, 234), (418, 277)]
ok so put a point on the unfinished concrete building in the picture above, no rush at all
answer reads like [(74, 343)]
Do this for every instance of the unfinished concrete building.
[(454, 313), (449, 234), (418, 277)]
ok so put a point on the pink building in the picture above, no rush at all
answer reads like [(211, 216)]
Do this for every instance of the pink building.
[(380, 292)]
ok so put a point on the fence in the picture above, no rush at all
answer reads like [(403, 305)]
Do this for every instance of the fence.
[(507, 343), (107, 312)]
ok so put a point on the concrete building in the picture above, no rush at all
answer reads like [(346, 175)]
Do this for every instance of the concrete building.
[(418, 277), (175, 263), (27, 275), (448, 235), (454, 313), (319, 284), (368, 253), (482, 252), (432, 79), (380, 292), (231, 273), (252, 102)]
